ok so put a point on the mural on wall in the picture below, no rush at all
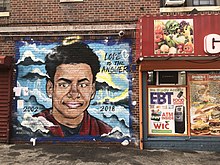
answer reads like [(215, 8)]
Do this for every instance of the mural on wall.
[(173, 36), (72, 90)]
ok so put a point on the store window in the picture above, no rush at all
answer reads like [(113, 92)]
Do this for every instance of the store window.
[(167, 111), (181, 103), (204, 103), (167, 104)]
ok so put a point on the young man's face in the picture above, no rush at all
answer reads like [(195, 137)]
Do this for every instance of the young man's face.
[(72, 91)]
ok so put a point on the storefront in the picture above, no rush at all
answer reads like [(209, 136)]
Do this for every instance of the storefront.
[(179, 78), (5, 96)]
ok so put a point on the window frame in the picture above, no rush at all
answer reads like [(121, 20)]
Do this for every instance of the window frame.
[(199, 1), (4, 8), (4, 5), (190, 8)]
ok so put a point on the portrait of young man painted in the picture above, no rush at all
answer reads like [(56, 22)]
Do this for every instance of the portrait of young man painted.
[(72, 70)]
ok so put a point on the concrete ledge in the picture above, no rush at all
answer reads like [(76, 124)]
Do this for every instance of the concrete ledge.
[(70, 28), (4, 14), (191, 145)]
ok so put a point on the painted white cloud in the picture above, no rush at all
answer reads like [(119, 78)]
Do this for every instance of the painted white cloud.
[(29, 53), (41, 98), (38, 71), (37, 49), (36, 123), (116, 133)]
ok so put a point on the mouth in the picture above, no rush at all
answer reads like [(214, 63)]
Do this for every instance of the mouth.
[(73, 105)]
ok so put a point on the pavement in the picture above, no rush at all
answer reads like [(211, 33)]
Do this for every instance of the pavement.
[(95, 154)]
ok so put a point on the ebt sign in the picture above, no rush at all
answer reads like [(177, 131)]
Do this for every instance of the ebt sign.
[(212, 43)]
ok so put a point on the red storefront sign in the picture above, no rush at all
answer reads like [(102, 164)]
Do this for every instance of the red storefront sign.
[(178, 36)]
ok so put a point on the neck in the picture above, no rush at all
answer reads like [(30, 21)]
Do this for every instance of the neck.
[(66, 121)]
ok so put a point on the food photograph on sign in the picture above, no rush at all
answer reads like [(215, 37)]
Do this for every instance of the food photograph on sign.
[(205, 104), (167, 111), (173, 36)]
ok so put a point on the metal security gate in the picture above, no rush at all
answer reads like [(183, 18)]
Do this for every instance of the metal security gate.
[(5, 103)]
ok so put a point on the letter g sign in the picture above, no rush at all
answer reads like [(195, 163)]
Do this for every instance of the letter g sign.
[(212, 43)]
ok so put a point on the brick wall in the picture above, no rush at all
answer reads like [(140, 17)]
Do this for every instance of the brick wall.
[(42, 11), (7, 47)]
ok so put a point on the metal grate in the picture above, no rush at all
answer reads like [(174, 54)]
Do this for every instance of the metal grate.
[(5, 96)]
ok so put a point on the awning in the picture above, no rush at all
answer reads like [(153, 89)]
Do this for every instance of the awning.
[(5, 61), (183, 65), (178, 36)]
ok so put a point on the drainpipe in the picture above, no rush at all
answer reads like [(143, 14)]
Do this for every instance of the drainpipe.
[(140, 108)]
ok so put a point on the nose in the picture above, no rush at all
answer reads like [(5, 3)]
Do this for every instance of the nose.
[(73, 92)]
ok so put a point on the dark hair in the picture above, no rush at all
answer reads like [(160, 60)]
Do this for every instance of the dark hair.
[(74, 53)]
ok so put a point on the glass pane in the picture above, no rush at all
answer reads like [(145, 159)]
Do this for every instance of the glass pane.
[(167, 111), (204, 103), (203, 2), (151, 78), (4, 5), (206, 2), (196, 2)]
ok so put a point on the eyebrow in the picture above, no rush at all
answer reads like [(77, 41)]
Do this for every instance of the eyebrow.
[(66, 80), (69, 81), (84, 79)]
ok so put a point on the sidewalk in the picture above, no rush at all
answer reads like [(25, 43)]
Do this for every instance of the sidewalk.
[(79, 154)]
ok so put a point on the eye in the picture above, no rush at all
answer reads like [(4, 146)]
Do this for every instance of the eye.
[(83, 85), (63, 85)]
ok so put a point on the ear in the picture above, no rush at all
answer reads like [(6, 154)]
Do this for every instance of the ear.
[(49, 88), (93, 91)]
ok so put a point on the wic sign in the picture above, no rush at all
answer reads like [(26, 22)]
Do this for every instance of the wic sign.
[(212, 43)]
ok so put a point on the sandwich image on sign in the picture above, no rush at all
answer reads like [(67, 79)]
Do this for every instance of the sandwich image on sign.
[(206, 121)]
